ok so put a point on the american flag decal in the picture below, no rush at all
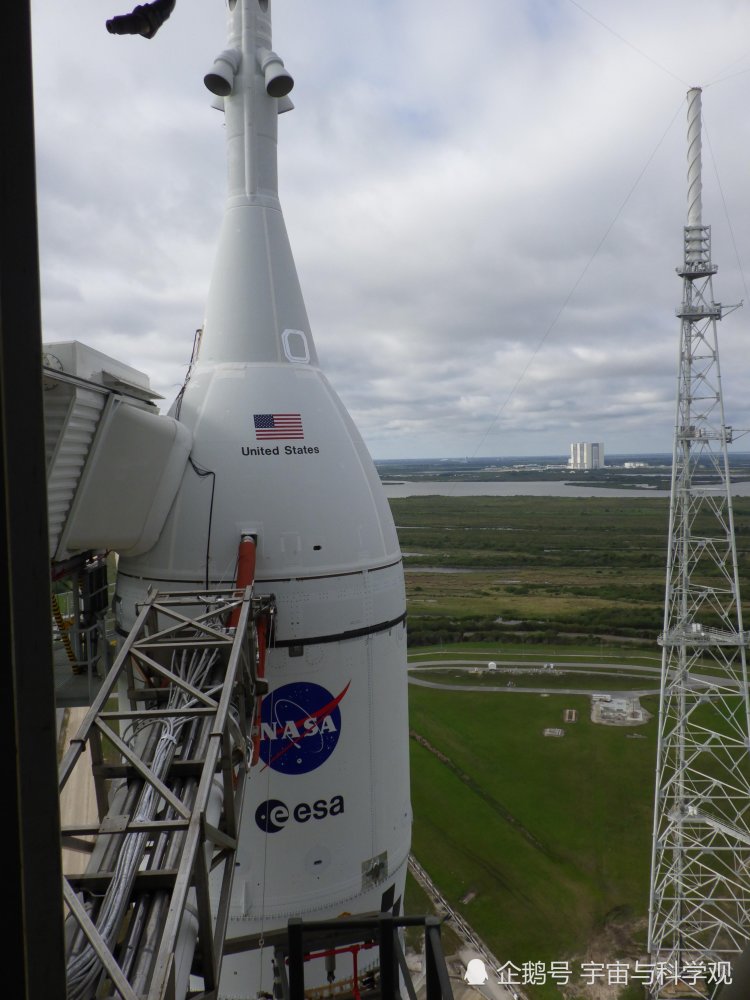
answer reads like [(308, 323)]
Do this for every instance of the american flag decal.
[(278, 426)]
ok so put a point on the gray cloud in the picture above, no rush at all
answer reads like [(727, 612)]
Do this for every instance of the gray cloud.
[(447, 178)]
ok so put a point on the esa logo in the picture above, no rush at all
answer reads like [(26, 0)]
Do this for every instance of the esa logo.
[(300, 725), (273, 814)]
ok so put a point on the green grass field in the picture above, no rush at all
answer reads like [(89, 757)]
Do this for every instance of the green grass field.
[(553, 835), (538, 569)]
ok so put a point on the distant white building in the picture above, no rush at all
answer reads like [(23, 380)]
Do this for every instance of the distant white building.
[(586, 455)]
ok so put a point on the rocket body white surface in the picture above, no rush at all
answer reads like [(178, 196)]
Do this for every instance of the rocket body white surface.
[(327, 819)]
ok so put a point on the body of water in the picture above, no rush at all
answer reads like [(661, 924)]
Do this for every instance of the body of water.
[(528, 489)]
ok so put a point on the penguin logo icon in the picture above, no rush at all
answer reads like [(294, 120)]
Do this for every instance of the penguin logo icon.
[(476, 974)]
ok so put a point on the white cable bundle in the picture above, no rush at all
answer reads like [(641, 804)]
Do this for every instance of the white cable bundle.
[(84, 968)]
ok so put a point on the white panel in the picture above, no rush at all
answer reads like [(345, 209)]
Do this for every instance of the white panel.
[(84, 362), (71, 416), (129, 483)]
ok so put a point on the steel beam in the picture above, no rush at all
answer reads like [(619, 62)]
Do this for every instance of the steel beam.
[(34, 943)]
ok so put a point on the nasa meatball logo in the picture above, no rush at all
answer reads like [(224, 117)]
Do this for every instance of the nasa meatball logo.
[(300, 725)]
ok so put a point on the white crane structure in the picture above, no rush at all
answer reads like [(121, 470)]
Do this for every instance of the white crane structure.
[(699, 908)]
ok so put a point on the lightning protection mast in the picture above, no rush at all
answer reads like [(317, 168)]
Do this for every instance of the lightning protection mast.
[(699, 910)]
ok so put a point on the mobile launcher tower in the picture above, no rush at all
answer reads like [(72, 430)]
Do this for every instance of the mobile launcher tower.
[(277, 464), (699, 911)]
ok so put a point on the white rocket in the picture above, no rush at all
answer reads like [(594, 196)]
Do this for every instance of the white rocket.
[(327, 819)]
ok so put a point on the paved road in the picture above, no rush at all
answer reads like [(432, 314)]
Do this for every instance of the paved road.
[(511, 667), (418, 682)]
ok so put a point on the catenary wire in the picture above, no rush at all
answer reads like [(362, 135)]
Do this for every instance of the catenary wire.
[(576, 283), (630, 44), (726, 210)]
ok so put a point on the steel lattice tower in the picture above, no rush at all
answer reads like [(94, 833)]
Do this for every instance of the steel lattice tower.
[(699, 910)]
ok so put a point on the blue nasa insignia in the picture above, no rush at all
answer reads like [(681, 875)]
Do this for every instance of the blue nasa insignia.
[(300, 725)]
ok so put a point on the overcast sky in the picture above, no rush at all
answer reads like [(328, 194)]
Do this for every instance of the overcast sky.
[(485, 201)]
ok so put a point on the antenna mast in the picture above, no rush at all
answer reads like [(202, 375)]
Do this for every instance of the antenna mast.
[(699, 908)]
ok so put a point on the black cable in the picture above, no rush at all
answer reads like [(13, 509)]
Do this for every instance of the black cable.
[(189, 372), (203, 473)]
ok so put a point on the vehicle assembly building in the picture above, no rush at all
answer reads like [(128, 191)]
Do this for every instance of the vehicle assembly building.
[(586, 455)]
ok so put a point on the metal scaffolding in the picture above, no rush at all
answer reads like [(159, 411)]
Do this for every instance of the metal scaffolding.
[(699, 911), (169, 774)]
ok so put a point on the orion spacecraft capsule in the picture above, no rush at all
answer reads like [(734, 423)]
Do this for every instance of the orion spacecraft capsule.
[(327, 819)]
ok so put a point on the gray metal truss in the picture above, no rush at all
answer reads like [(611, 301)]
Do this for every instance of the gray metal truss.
[(169, 773), (700, 878)]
